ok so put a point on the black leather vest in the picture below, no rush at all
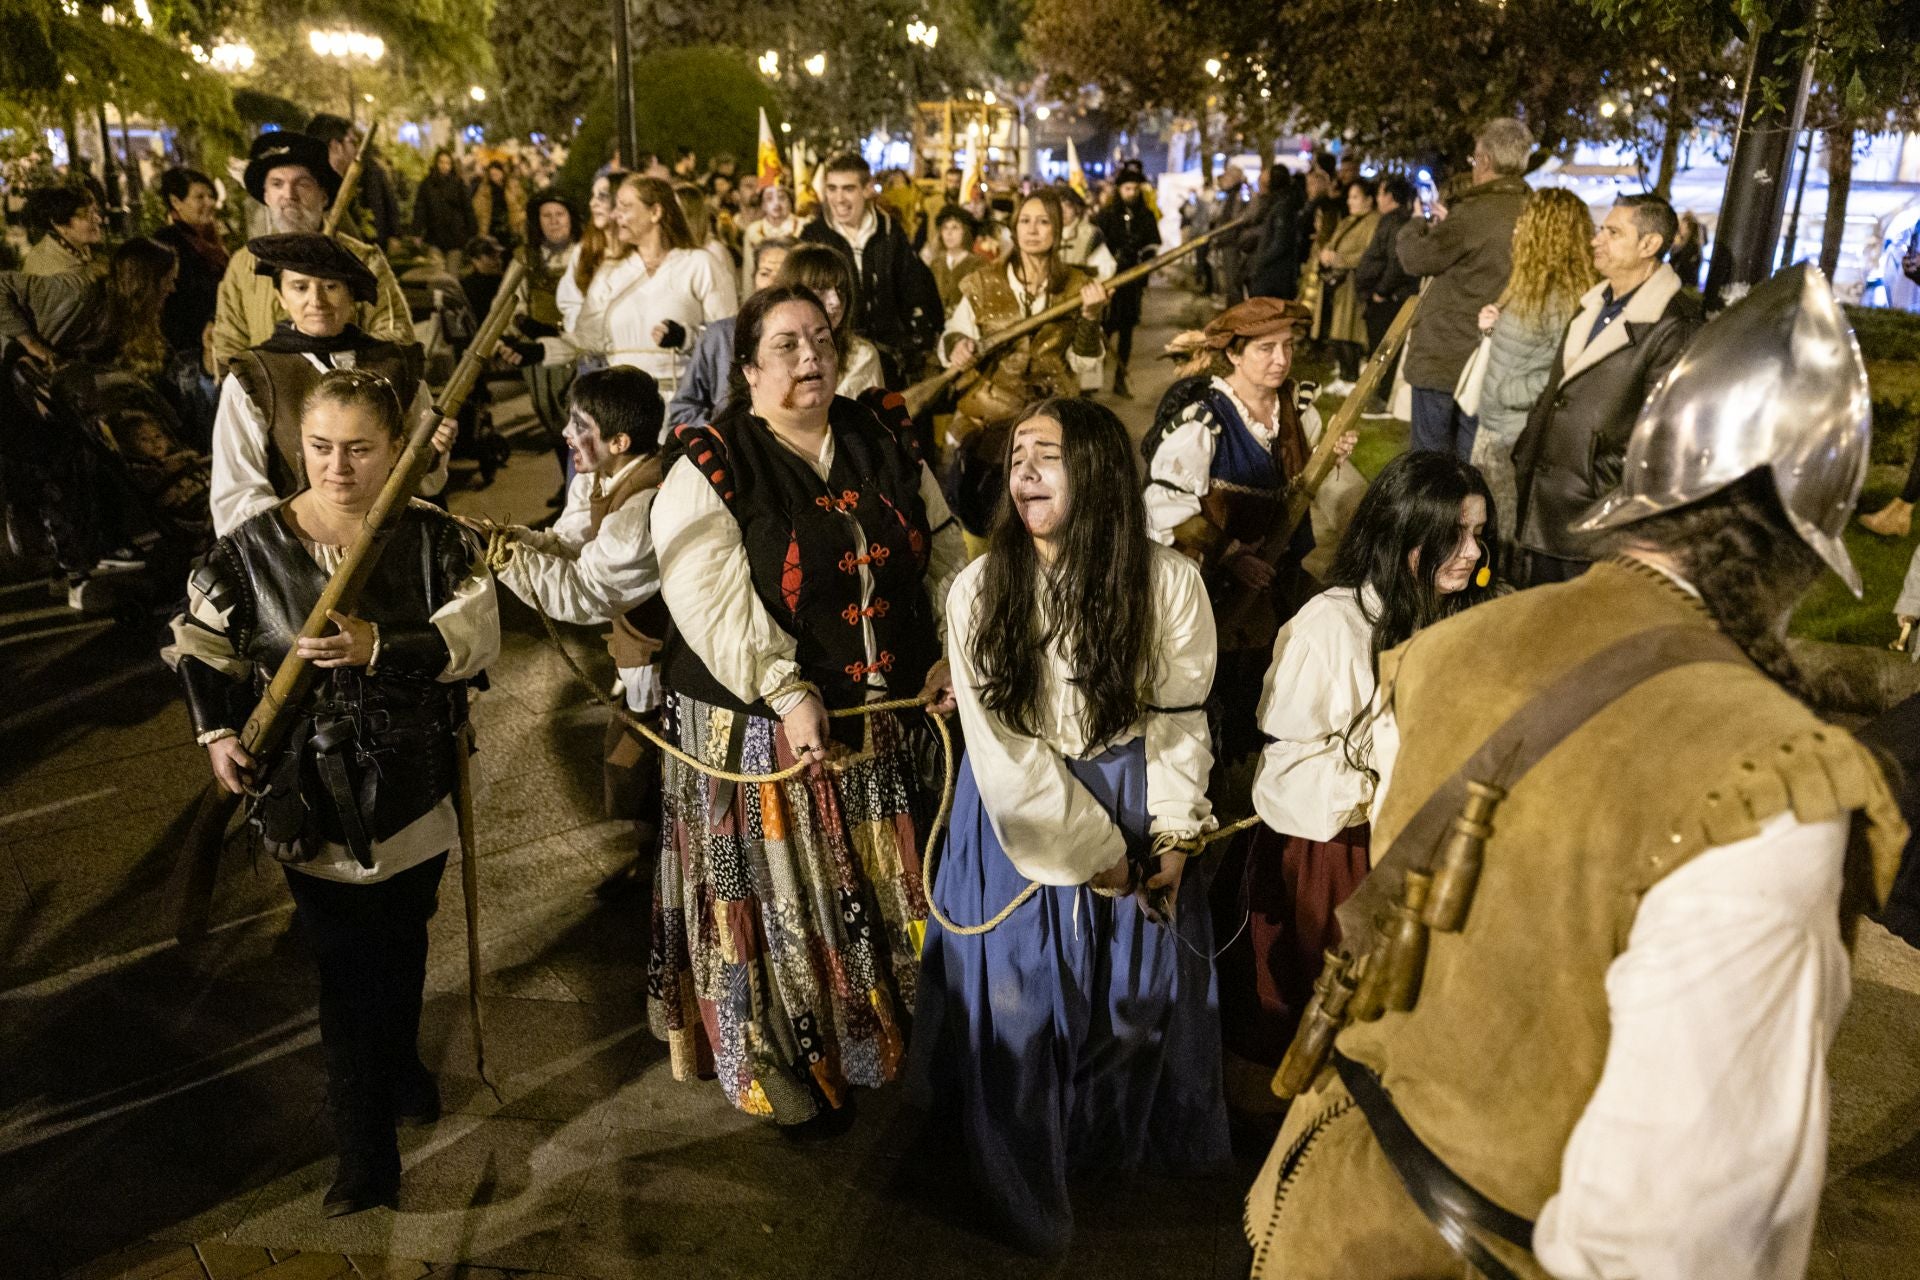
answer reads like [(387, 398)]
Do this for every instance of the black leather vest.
[(393, 730), (804, 550), (278, 383)]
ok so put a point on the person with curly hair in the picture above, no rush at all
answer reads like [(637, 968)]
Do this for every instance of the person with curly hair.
[(1552, 267)]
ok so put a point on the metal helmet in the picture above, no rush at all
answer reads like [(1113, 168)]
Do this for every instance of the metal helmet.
[(1776, 381)]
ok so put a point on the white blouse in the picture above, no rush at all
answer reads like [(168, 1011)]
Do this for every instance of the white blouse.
[(469, 623), (240, 485), (1051, 827), (1320, 679), (862, 371), (625, 302), (963, 324), (1181, 472), (708, 584), (573, 578)]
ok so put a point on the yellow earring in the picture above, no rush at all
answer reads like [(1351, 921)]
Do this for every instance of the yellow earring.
[(1483, 577)]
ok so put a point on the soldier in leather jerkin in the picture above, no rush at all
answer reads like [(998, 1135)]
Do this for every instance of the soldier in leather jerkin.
[(257, 457), (1611, 1059), (359, 806), (1062, 358)]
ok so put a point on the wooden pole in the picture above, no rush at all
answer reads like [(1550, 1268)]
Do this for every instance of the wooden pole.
[(924, 393)]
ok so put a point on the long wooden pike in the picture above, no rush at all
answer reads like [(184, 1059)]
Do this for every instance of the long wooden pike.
[(1238, 612), (349, 182), (923, 393), (266, 728)]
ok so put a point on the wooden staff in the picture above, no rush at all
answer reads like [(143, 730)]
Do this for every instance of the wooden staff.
[(349, 183), (922, 394), (1239, 612), (267, 726)]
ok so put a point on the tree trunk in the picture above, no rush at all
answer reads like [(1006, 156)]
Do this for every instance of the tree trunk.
[(1206, 149), (1833, 232), (1670, 144)]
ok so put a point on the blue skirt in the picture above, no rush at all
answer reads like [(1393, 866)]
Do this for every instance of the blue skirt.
[(1078, 1035)]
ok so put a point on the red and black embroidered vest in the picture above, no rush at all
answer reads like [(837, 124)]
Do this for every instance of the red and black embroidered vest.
[(807, 540)]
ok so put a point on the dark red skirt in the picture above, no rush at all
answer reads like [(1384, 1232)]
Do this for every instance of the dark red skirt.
[(1292, 886)]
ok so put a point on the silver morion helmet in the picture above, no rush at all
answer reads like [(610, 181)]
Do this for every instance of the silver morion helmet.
[(1776, 381)]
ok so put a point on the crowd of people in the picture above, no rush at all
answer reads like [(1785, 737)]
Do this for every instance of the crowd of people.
[(1554, 603)]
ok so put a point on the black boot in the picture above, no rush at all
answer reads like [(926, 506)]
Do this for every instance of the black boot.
[(416, 1097), (368, 1174), (1120, 383)]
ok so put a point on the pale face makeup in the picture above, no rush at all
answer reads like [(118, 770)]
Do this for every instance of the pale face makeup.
[(1037, 481)]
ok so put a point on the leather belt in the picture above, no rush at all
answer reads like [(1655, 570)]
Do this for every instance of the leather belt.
[(1457, 1209)]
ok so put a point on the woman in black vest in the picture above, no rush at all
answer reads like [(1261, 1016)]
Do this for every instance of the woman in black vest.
[(360, 805), (804, 553)]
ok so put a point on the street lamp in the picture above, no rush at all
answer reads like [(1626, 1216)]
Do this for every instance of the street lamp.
[(232, 57), (477, 93), (816, 65), (1213, 68), (770, 64), (923, 33), (346, 48)]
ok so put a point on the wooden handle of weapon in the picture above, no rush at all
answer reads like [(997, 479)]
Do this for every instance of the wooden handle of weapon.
[(923, 393), (1320, 464), (349, 183), (267, 723)]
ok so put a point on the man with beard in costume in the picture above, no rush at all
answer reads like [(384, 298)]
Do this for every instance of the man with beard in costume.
[(1590, 985), (317, 283), (291, 175)]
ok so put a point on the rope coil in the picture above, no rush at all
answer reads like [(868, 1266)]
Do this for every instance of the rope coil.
[(499, 554)]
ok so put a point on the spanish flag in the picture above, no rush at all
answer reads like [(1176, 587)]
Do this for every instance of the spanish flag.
[(769, 163)]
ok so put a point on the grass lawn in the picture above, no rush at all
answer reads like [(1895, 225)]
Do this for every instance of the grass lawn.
[(1891, 343)]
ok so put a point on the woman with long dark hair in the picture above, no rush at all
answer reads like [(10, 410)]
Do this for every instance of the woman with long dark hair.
[(1420, 549), (804, 554), (1081, 1031), (825, 271)]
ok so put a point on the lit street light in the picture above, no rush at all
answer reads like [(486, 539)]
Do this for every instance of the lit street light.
[(770, 64), (923, 33), (477, 93), (1213, 67), (816, 65), (231, 57), (346, 48)]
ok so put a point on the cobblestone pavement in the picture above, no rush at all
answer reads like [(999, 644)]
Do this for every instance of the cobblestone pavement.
[(160, 1105)]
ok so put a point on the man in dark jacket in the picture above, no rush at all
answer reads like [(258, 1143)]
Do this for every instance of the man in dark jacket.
[(1132, 237), (899, 304), (1468, 249), (1630, 330), (1380, 279), (375, 209)]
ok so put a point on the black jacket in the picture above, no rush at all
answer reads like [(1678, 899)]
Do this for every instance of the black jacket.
[(443, 212), (189, 309), (900, 309), (1572, 451), (1275, 272), (1379, 273)]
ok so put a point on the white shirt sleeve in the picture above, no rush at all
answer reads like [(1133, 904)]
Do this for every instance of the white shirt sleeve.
[(610, 575), (469, 622), (1702, 1152), (1179, 475), (1100, 262), (960, 324), (1304, 785), (436, 478), (1051, 827), (570, 530), (708, 586), (863, 371), (715, 291), (947, 555), (1179, 749), (567, 295), (239, 486)]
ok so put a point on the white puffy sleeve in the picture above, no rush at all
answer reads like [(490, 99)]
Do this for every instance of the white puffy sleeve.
[(708, 586), (469, 623), (947, 555), (1703, 1149), (1180, 474), (566, 294), (239, 486), (1179, 751), (1051, 827), (960, 324), (608, 575), (1318, 682)]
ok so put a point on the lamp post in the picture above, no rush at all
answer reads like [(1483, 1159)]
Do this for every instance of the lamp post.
[(347, 48)]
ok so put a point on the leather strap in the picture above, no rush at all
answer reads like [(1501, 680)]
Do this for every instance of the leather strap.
[(1528, 736), (1457, 1209), (331, 739)]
